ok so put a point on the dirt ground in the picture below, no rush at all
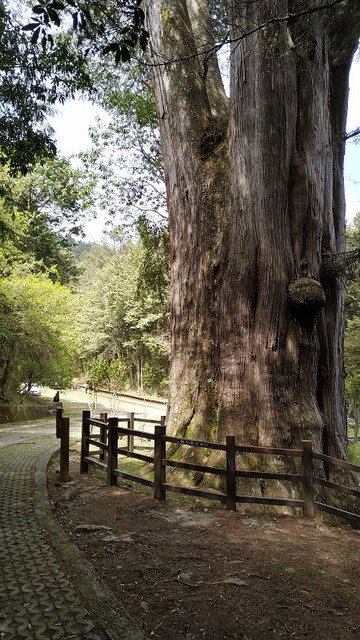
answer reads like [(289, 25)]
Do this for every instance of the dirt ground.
[(187, 570)]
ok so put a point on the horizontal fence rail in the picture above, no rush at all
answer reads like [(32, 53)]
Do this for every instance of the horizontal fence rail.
[(339, 463), (292, 453), (108, 453)]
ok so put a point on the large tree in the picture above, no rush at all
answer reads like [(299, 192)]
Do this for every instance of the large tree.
[(256, 206), (256, 209)]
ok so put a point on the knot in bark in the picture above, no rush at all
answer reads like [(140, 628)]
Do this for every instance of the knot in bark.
[(211, 138), (306, 294)]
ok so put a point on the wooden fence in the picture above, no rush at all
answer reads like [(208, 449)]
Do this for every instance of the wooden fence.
[(108, 452), (63, 433)]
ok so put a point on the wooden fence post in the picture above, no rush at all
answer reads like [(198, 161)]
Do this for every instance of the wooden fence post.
[(59, 413), (308, 479), (113, 437), (85, 433), (64, 449), (230, 473), (103, 435), (131, 425), (159, 468)]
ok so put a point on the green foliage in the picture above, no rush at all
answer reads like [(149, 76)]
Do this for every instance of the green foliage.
[(352, 306), (132, 97), (30, 83), (354, 453), (352, 345), (128, 330), (130, 138), (352, 384), (352, 300), (118, 375), (36, 210), (97, 372), (115, 27), (352, 332), (128, 317), (353, 234), (22, 106), (154, 267), (36, 332), (153, 381), (219, 18)]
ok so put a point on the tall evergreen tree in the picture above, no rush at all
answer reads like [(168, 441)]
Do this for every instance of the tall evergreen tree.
[(256, 210)]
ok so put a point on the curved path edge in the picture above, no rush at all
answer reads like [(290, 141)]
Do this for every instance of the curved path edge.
[(105, 609)]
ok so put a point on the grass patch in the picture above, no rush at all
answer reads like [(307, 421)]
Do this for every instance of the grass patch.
[(354, 452)]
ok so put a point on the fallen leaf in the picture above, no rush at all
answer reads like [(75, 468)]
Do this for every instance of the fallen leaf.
[(232, 580)]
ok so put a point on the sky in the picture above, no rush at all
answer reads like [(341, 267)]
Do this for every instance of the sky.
[(73, 120), (352, 155), (71, 124)]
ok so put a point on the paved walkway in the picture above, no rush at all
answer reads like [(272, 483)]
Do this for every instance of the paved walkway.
[(38, 601)]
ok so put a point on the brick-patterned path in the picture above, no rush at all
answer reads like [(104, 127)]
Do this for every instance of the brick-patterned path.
[(37, 599), (39, 566)]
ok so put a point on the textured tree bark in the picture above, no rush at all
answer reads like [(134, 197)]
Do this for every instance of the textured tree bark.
[(256, 210), (7, 368)]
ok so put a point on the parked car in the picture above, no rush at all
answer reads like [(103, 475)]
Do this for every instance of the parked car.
[(35, 390)]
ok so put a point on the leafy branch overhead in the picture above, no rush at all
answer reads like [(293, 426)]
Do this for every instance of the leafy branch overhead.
[(115, 27)]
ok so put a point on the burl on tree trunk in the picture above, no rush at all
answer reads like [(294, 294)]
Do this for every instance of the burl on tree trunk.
[(256, 208)]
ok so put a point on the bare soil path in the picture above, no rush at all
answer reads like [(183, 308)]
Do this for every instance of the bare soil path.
[(189, 572), (184, 570)]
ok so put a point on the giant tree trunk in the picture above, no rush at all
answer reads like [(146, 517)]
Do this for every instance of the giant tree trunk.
[(256, 212)]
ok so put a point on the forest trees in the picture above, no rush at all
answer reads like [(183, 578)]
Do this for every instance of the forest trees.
[(40, 213), (37, 212), (352, 334), (36, 337), (256, 208), (122, 323), (38, 342), (41, 210)]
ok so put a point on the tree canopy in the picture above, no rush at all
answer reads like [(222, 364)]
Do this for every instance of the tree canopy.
[(122, 323), (37, 335), (40, 214), (30, 82), (39, 342)]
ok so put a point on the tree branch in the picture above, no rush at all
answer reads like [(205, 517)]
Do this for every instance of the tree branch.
[(276, 20), (352, 134)]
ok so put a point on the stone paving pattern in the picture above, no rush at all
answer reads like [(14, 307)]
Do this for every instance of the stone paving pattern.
[(37, 599)]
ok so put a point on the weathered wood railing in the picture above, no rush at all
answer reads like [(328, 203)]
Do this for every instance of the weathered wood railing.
[(108, 452), (342, 464), (63, 433)]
